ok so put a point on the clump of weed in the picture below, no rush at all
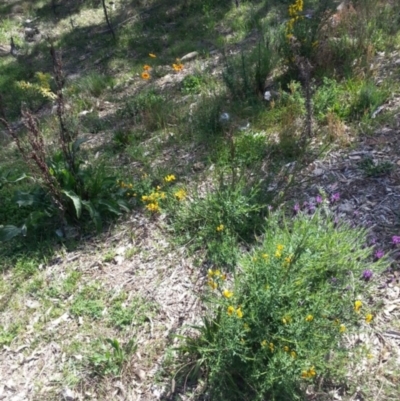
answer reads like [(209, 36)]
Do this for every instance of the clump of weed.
[(67, 187), (88, 303), (373, 168), (191, 84), (109, 356), (270, 329), (94, 84), (218, 220)]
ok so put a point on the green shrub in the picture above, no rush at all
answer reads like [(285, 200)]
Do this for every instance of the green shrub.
[(278, 326), (349, 100), (245, 75), (191, 84), (109, 356), (87, 303), (95, 84), (216, 221)]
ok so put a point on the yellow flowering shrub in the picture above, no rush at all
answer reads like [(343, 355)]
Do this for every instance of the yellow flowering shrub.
[(42, 86), (282, 322)]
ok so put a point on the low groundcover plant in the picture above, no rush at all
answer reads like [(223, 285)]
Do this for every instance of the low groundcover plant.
[(278, 326)]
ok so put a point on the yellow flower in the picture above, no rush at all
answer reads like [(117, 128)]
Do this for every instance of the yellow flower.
[(220, 228), (279, 247), (227, 293), (239, 313), (264, 343), (230, 310), (146, 67), (278, 254), (210, 273), (288, 260), (180, 194), (217, 273), (177, 67), (153, 207), (152, 55), (169, 178), (305, 374), (265, 255), (286, 319), (309, 318), (145, 75), (357, 306), (293, 354), (212, 284), (342, 328), (271, 347), (368, 318), (286, 348)]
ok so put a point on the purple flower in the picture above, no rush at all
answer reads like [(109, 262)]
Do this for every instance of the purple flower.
[(379, 254), (372, 241), (367, 274), (296, 208), (318, 199), (396, 239), (335, 197)]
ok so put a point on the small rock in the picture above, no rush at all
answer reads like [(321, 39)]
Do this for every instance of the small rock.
[(318, 171), (346, 207), (200, 166), (244, 126), (32, 304), (267, 96), (68, 395), (5, 50), (141, 374), (224, 118), (190, 56), (118, 259)]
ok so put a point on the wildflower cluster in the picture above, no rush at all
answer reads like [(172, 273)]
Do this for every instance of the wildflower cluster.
[(126, 188), (147, 68), (295, 10), (178, 66), (220, 228), (169, 178), (152, 200), (42, 86), (309, 373), (180, 194), (215, 279)]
